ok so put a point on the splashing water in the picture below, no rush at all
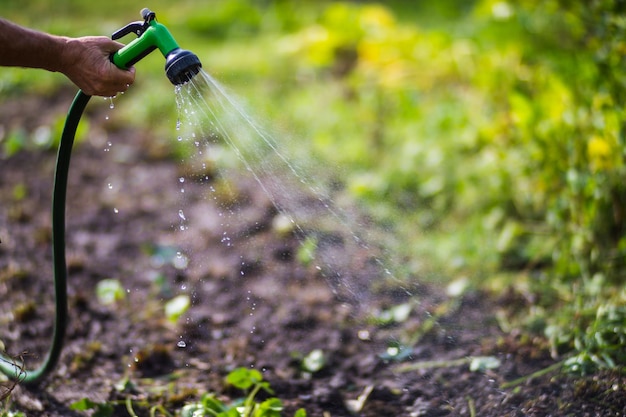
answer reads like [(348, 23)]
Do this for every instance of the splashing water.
[(221, 130)]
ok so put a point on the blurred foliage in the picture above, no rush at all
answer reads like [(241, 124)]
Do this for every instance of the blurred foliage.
[(488, 136)]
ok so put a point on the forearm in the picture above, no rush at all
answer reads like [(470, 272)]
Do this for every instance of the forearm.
[(23, 47), (85, 60)]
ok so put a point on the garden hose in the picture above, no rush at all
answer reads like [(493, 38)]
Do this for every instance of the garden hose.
[(11, 367), (180, 67)]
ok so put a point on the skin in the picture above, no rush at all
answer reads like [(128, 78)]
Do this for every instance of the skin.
[(85, 60)]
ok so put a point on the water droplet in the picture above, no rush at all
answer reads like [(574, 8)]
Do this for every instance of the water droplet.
[(115, 210), (181, 214), (110, 186), (181, 261), (178, 124), (181, 344), (106, 117), (111, 104), (181, 179)]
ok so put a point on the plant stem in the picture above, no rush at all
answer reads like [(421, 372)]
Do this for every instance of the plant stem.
[(472, 406), (536, 374), (129, 407)]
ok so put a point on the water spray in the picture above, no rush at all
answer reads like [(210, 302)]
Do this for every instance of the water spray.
[(180, 67)]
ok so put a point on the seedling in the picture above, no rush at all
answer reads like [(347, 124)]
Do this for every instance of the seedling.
[(314, 361), (251, 382), (109, 291), (176, 307), (306, 252)]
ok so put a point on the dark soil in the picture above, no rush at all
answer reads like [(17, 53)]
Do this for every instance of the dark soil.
[(254, 304)]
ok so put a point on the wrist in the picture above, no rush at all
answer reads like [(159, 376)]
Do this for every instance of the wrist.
[(61, 54)]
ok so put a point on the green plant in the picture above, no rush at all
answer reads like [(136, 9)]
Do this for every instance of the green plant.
[(104, 409), (109, 291), (251, 382)]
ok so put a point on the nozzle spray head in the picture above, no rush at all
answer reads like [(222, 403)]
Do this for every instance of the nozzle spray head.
[(180, 65)]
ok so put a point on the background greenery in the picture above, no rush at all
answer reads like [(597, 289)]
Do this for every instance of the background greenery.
[(487, 135)]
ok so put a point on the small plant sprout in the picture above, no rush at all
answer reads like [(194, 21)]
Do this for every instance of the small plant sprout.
[(109, 291), (314, 361), (282, 224), (396, 314), (176, 307), (355, 406), (484, 363), (306, 251)]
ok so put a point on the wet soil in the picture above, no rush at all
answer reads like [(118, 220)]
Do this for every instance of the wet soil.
[(163, 231)]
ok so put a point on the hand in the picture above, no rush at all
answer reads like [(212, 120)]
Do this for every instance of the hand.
[(86, 62)]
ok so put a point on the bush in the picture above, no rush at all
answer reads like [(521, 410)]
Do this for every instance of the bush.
[(501, 139)]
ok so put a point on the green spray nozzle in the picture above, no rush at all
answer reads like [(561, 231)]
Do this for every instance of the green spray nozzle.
[(180, 65)]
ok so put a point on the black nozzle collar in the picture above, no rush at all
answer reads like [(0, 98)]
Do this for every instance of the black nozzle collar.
[(181, 66)]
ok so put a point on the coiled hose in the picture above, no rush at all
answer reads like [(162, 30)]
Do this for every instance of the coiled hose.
[(11, 367)]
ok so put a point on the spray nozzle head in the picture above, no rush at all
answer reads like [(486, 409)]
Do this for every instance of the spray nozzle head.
[(181, 66)]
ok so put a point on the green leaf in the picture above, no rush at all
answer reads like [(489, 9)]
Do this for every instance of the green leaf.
[(176, 307), (190, 410), (208, 406), (482, 363), (230, 413), (83, 404), (300, 413), (244, 378), (209, 402), (15, 142), (314, 361), (271, 407), (307, 250), (396, 314), (101, 409), (396, 352), (109, 291)]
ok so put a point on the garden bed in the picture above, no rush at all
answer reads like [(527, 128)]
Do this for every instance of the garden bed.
[(254, 302)]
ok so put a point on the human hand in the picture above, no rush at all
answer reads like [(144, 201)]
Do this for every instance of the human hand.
[(85, 61)]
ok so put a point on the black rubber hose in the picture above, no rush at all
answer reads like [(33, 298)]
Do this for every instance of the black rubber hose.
[(12, 368)]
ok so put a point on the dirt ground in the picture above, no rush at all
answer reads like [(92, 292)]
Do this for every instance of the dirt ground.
[(254, 303)]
